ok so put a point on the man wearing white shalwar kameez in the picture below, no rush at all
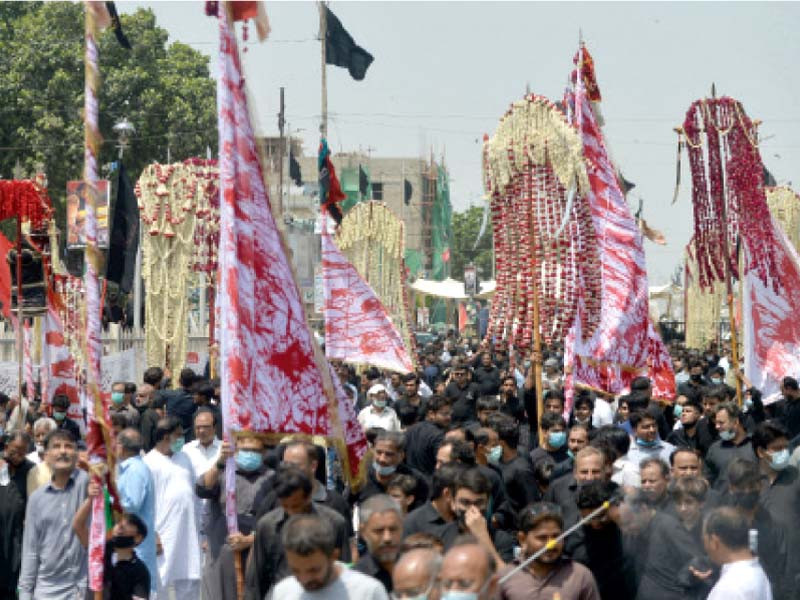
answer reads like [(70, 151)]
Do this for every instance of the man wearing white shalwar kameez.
[(176, 523)]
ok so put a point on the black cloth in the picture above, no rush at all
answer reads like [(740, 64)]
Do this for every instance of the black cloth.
[(342, 51), (422, 441), (321, 495), (564, 492), (125, 578), (425, 519), (556, 457), (689, 387), (772, 552), (721, 454), (294, 170), (124, 235), (603, 553), (464, 400), (70, 426), (180, 404), (781, 498), (513, 406), (519, 482), (409, 413), (488, 379), (373, 487), (706, 434), (20, 477), (680, 438), (671, 549), (787, 412), (147, 427), (369, 566), (502, 540), (267, 564), (529, 403), (498, 497), (12, 515)]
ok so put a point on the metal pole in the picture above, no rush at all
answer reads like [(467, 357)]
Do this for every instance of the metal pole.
[(20, 343), (281, 123), (552, 543), (323, 36)]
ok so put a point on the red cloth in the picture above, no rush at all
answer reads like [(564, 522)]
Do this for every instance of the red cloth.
[(5, 276), (23, 198)]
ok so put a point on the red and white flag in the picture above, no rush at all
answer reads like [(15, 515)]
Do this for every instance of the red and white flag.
[(619, 348), (357, 327), (771, 324), (659, 367), (272, 382), (58, 367)]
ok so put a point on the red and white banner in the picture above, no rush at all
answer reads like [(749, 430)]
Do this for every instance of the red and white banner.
[(30, 389), (619, 348), (659, 367), (771, 324), (58, 366), (271, 380), (357, 327)]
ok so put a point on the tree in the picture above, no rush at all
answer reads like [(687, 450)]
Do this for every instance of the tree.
[(165, 91), (466, 226)]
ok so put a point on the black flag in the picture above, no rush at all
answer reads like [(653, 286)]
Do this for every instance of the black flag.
[(342, 51), (363, 181), (124, 235), (294, 170), (407, 191), (116, 25), (769, 180)]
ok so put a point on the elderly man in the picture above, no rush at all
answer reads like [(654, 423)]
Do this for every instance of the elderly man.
[(176, 522), (415, 573), (468, 571), (381, 526), (137, 495), (40, 474), (17, 444), (377, 413), (203, 451), (53, 560)]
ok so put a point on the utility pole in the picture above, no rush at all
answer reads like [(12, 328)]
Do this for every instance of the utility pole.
[(323, 38), (281, 123)]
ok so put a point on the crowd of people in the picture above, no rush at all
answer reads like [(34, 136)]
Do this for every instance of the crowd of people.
[(467, 491)]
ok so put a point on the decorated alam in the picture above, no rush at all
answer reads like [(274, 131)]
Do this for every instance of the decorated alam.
[(234, 370)]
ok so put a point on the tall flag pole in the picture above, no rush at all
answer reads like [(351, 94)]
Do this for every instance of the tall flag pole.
[(98, 437)]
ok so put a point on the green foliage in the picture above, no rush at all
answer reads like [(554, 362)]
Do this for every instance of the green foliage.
[(466, 226), (165, 91)]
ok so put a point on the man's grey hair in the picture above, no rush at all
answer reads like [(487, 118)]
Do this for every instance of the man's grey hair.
[(397, 439), (306, 534), (380, 503), (131, 440), (44, 423)]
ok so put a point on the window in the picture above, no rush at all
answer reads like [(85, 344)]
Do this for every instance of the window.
[(377, 190)]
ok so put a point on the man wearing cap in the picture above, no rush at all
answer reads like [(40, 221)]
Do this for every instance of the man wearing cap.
[(378, 414)]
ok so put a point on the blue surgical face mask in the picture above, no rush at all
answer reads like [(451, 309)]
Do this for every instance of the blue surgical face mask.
[(495, 454), (458, 595), (716, 380), (117, 397), (384, 471), (779, 460), (748, 404), (677, 410), (571, 454), (59, 416), (646, 443), (727, 436), (379, 403), (176, 445), (557, 438), (249, 460)]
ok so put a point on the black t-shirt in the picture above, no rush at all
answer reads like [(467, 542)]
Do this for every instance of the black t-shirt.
[(125, 580)]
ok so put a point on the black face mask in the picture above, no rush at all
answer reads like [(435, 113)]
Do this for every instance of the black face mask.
[(697, 378), (123, 541), (745, 500)]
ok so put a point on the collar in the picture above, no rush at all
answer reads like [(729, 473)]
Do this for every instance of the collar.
[(123, 466), (70, 482), (318, 493), (750, 562)]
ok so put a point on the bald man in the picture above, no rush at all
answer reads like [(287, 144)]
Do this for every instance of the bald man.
[(415, 573), (467, 567)]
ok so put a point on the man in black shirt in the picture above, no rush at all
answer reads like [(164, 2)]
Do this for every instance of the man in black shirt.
[(516, 469), (733, 443), (706, 427), (180, 403), (381, 525), (17, 445), (696, 382), (464, 395), (424, 438), (410, 406), (787, 409), (60, 407), (686, 435), (554, 449), (487, 376), (433, 516)]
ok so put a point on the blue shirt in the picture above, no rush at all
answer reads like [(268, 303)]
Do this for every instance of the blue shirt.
[(137, 496), (54, 563)]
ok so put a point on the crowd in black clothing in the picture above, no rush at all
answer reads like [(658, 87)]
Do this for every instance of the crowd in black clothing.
[(471, 456)]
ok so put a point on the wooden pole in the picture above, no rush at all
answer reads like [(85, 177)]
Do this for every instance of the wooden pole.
[(323, 36), (237, 561)]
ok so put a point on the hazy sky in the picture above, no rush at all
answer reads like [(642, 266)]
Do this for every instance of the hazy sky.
[(445, 72)]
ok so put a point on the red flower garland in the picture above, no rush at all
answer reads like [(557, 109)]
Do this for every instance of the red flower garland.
[(26, 200)]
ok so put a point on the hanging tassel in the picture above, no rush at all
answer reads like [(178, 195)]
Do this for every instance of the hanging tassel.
[(678, 168), (169, 232)]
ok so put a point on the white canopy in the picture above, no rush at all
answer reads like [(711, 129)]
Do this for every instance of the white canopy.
[(449, 288)]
